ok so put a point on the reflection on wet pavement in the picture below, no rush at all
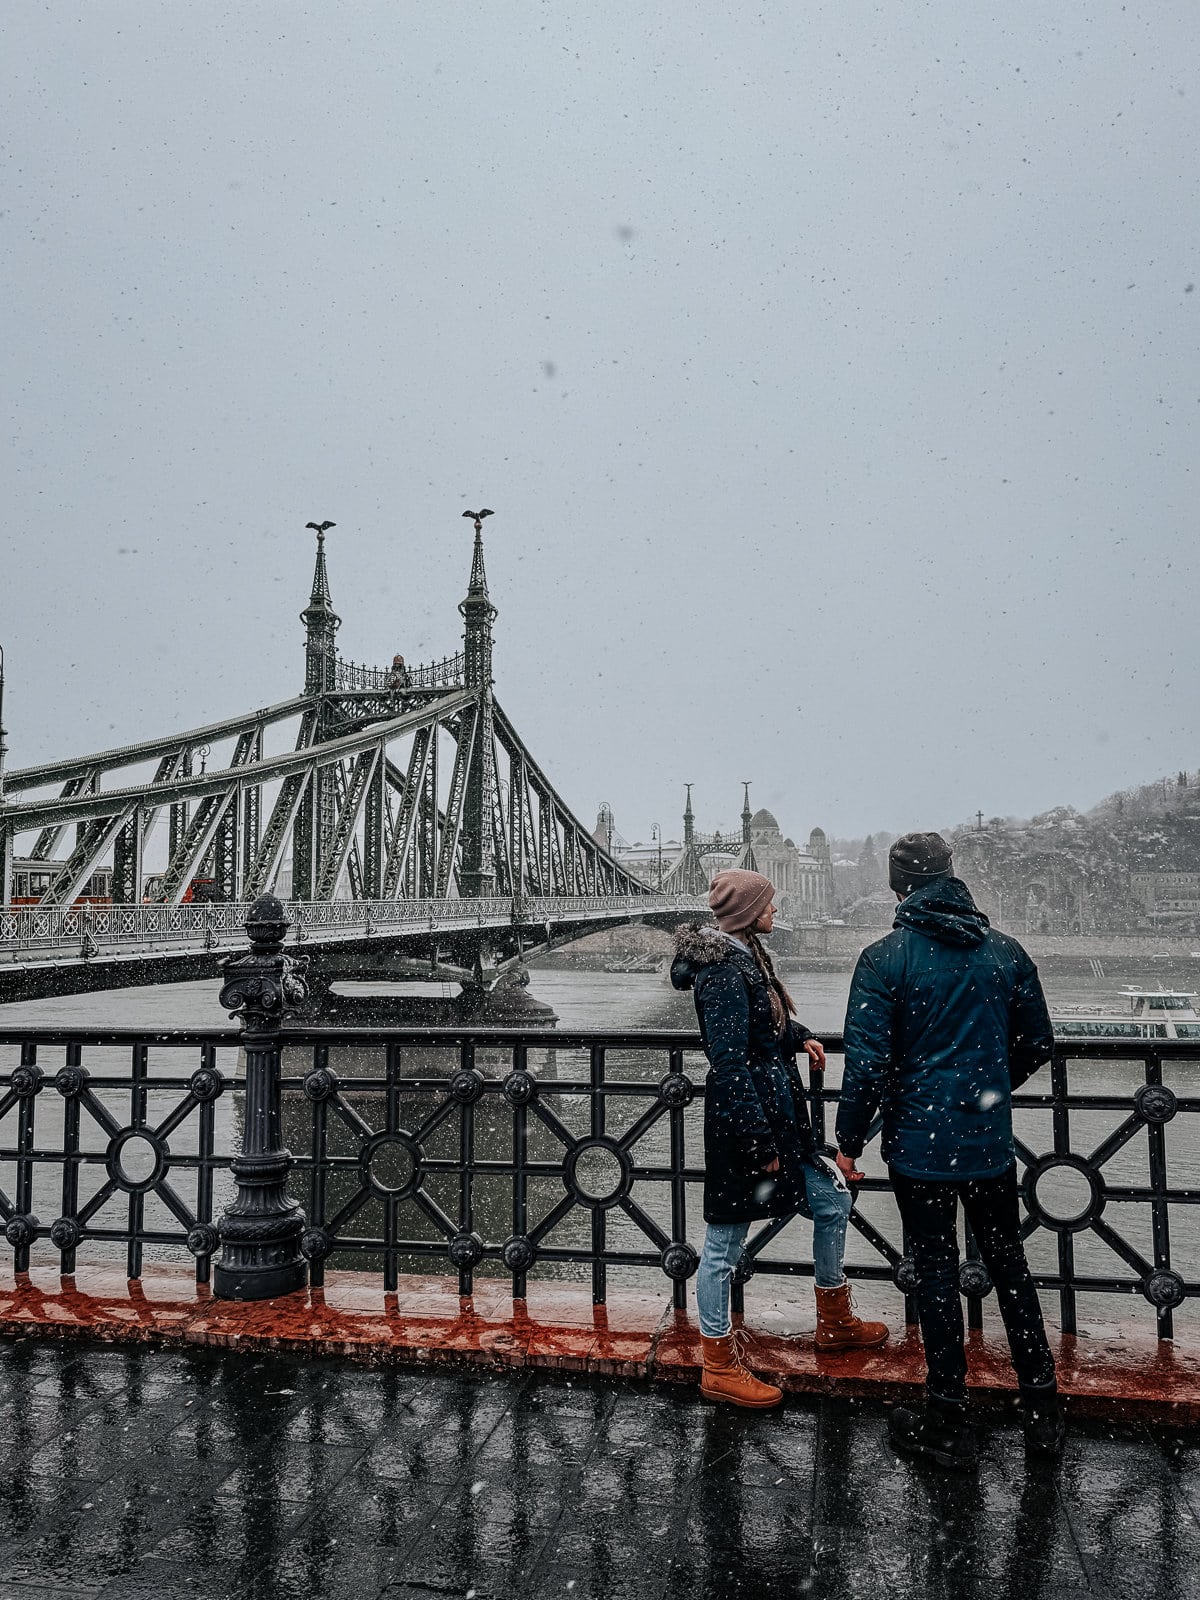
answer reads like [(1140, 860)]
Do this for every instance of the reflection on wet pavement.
[(135, 1473)]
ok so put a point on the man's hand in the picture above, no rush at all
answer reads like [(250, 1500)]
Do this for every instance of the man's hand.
[(815, 1052), (848, 1168), (772, 1166)]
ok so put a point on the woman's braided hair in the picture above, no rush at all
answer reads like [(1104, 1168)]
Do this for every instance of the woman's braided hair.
[(782, 1004)]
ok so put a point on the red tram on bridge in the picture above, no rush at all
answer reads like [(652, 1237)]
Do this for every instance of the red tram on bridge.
[(31, 880)]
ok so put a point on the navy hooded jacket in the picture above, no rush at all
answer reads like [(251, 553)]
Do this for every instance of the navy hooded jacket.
[(945, 1018)]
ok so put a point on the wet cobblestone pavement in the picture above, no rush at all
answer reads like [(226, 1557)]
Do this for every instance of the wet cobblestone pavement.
[(135, 1473)]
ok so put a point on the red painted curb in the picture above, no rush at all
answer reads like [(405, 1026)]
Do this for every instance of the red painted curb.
[(1111, 1370)]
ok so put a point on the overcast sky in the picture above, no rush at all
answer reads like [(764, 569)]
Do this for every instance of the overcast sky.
[(831, 369)]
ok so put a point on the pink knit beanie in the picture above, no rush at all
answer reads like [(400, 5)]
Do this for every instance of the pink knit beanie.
[(738, 898)]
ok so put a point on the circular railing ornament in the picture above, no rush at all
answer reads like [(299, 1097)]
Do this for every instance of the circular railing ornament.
[(321, 1084), (65, 1233), (71, 1081), (679, 1261), (134, 1144), (904, 1275), (1154, 1102), (598, 1173), (1164, 1289), (518, 1253), (22, 1230), (390, 1164), (27, 1081), (745, 1269), (520, 1088), (1050, 1210), (676, 1090), (465, 1251), (316, 1244), (465, 1086), (203, 1239), (206, 1084), (974, 1280)]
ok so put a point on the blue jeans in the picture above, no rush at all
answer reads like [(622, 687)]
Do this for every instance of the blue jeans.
[(724, 1242)]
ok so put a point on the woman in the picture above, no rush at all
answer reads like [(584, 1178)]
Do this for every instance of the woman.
[(759, 1158)]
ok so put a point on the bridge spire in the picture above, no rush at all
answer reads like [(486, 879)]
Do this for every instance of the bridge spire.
[(479, 613), (321, 623), (476, 759), (747, 857), (691, 874)]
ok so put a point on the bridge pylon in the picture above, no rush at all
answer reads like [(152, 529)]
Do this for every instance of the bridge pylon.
[(417, 820)]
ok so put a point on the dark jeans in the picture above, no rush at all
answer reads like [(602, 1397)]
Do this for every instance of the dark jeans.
[(929, 1210)]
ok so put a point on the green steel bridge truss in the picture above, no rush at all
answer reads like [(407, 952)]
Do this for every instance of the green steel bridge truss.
[(403, 787)]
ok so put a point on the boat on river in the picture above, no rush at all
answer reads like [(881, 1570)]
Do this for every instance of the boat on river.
[(1136, 1014)]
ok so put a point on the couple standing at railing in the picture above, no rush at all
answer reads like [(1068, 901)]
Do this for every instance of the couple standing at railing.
[(946, 1017)]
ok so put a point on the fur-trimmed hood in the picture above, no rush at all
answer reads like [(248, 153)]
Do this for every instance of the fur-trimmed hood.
[(697, 945)]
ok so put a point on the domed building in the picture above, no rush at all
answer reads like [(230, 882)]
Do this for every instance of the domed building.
[(803, 877)]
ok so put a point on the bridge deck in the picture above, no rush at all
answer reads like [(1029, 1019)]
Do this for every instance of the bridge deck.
[(75, 949)]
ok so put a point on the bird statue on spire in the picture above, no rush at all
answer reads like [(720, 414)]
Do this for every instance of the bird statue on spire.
[(478, 516), (320, 528)]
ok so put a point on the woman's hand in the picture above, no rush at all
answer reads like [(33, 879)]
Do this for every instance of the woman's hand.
[(815, 1051), (772, 1166), (848, 1168)]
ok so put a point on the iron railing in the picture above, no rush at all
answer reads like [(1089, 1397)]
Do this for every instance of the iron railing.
[(530, 1151), (446, 673), (121, 1133), (92, 930)]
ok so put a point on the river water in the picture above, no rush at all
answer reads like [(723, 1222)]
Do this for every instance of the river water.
[(586, 999)]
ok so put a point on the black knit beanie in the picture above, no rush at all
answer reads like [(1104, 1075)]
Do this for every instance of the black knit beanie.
[(916, 859)]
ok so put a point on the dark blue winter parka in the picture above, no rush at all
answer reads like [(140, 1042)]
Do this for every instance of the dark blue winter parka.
[(754, 1108), (945, 1018)]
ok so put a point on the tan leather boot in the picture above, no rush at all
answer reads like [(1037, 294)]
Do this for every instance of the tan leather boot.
[(725, 1378), (837, 1326)]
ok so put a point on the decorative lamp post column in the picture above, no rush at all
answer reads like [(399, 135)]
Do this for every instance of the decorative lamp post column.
[(260, 1232)]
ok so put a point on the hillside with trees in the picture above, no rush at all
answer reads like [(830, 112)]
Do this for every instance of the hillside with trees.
[(1131, 863)]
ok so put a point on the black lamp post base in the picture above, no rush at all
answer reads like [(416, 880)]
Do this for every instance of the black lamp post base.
[(258, 1283)]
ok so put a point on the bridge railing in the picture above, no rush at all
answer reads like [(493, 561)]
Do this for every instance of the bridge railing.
[(446, 673), (93, 930), (525, 1153)]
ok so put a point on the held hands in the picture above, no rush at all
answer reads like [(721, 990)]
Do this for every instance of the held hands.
[(848, 1168), (815, 1051)]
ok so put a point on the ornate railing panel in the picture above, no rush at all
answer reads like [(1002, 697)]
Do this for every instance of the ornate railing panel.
[(444, 674), (115, 1143), (519, 1152)]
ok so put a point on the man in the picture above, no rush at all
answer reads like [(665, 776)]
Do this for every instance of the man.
[(945, 1018)]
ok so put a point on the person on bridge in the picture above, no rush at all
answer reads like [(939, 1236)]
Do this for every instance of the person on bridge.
[(946, 1017), (759, 1155)]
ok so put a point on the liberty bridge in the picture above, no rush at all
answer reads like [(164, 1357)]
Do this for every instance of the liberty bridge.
[(424, 838)]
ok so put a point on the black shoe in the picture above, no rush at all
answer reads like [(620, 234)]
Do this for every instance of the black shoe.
[(1042, 1415), (941, 1433)]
